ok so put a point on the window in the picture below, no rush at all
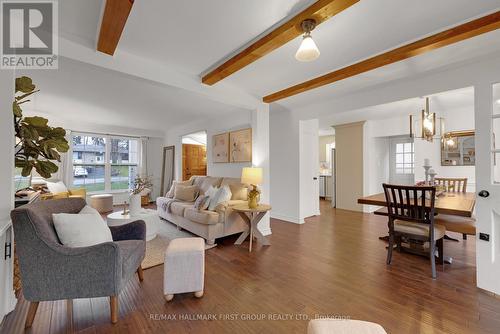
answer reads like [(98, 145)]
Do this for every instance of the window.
[(94, 172), (88, 172), (20, 182), (404, 158), (123, 160)]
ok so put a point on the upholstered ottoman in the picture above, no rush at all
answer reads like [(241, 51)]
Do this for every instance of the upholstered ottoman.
[(340, 326), (102, 202), (184, 269)]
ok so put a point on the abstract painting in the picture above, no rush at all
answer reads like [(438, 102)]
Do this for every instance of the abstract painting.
[(220, 147), (241, 145)]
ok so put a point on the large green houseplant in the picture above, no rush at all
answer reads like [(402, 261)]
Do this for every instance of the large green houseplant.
[(37, 143)]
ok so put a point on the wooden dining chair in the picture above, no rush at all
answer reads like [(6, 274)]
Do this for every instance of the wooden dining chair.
[(411, 215), (464, 225), (452, 184)]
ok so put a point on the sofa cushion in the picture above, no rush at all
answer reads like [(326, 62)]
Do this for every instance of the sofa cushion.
[(171, 192), (209, 181), (223, 195), (202, 202), (57, 187), (239, 190), (177, 208), (186, 193), (202, 216)]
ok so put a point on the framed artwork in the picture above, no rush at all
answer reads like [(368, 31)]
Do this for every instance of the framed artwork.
[(220, 148), (241, 145)]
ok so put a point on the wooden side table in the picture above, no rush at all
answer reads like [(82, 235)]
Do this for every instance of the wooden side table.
[(252, 217)]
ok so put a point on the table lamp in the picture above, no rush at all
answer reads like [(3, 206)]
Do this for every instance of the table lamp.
[(252, 176)]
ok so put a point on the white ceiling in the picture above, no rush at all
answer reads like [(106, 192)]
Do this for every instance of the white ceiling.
[(90, 94), (190, 36)]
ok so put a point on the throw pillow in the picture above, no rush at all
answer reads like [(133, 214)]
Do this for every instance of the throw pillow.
[(186, 193), (239, 191), (202, 202), (222, 195), (87, 209), (57, 187), (171, 192), (81, 230)]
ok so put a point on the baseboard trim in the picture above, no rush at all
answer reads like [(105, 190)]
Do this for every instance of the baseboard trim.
[(289, 219)]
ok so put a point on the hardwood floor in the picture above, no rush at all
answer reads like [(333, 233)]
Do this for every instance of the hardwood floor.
[(332, 265)]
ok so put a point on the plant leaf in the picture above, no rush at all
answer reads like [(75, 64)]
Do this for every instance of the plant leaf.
[(24, 84), (36, 121)]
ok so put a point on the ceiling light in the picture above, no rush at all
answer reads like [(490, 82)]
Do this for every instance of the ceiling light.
[(498, 101), (308, 51)]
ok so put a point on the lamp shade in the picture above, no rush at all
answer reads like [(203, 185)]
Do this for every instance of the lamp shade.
[(251, 175), (308, 51)]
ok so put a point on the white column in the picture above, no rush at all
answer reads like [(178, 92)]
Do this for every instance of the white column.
[(7, 298), (260, 157)]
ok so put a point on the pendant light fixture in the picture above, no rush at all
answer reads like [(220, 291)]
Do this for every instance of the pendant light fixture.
[(428, 125), (308, 51)]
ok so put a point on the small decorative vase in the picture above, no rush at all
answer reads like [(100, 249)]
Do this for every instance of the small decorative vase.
[(253, 198), (135, 204)]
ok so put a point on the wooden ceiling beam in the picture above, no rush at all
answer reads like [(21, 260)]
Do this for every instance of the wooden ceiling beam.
[(320, 11), (115, 16), (459, 33)]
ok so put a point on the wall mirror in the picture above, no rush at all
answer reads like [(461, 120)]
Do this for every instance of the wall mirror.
[(458, 149)]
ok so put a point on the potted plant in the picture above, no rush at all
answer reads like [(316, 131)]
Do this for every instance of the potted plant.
[(37, 143), (140, 184)]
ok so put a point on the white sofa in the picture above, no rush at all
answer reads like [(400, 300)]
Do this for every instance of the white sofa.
[(209, 225)]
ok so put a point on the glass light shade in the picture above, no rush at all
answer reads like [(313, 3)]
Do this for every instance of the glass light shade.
[(251, 175), (308, 51)]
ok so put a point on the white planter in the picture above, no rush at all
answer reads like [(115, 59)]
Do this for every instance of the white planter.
[(134, 204)]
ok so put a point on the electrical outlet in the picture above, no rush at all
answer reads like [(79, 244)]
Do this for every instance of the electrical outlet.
[(484, 236)]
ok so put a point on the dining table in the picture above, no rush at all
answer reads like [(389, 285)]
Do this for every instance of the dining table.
[(448, 203)]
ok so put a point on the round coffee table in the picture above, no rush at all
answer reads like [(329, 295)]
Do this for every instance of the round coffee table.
[(149, 216)]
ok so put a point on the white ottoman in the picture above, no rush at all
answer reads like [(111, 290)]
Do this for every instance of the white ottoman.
[(102, 202), (184, 269), (340, 326)]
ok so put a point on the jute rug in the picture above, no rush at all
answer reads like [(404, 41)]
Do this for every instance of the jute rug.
[(155, 249)]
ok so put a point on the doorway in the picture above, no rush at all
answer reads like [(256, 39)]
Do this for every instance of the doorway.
[(194, 154), (401, 160)]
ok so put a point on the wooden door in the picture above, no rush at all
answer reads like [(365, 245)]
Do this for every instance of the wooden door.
[(194, 160)]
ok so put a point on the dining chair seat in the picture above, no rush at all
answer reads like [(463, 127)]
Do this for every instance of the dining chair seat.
[(419, 229), (457, 224)]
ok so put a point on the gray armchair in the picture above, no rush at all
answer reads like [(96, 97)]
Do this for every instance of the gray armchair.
[(51, 271)]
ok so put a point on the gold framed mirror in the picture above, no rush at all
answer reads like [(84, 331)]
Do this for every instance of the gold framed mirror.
[(458, 148)]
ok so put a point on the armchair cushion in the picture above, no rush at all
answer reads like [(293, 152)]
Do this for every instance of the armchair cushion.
[(79, 192), (81, 229)]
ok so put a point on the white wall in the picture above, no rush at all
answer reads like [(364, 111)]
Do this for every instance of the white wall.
[(236, 121), (285, 174), (309, 169), (7, 298)]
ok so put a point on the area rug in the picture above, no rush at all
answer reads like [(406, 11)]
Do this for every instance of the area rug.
[(155, 249)]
